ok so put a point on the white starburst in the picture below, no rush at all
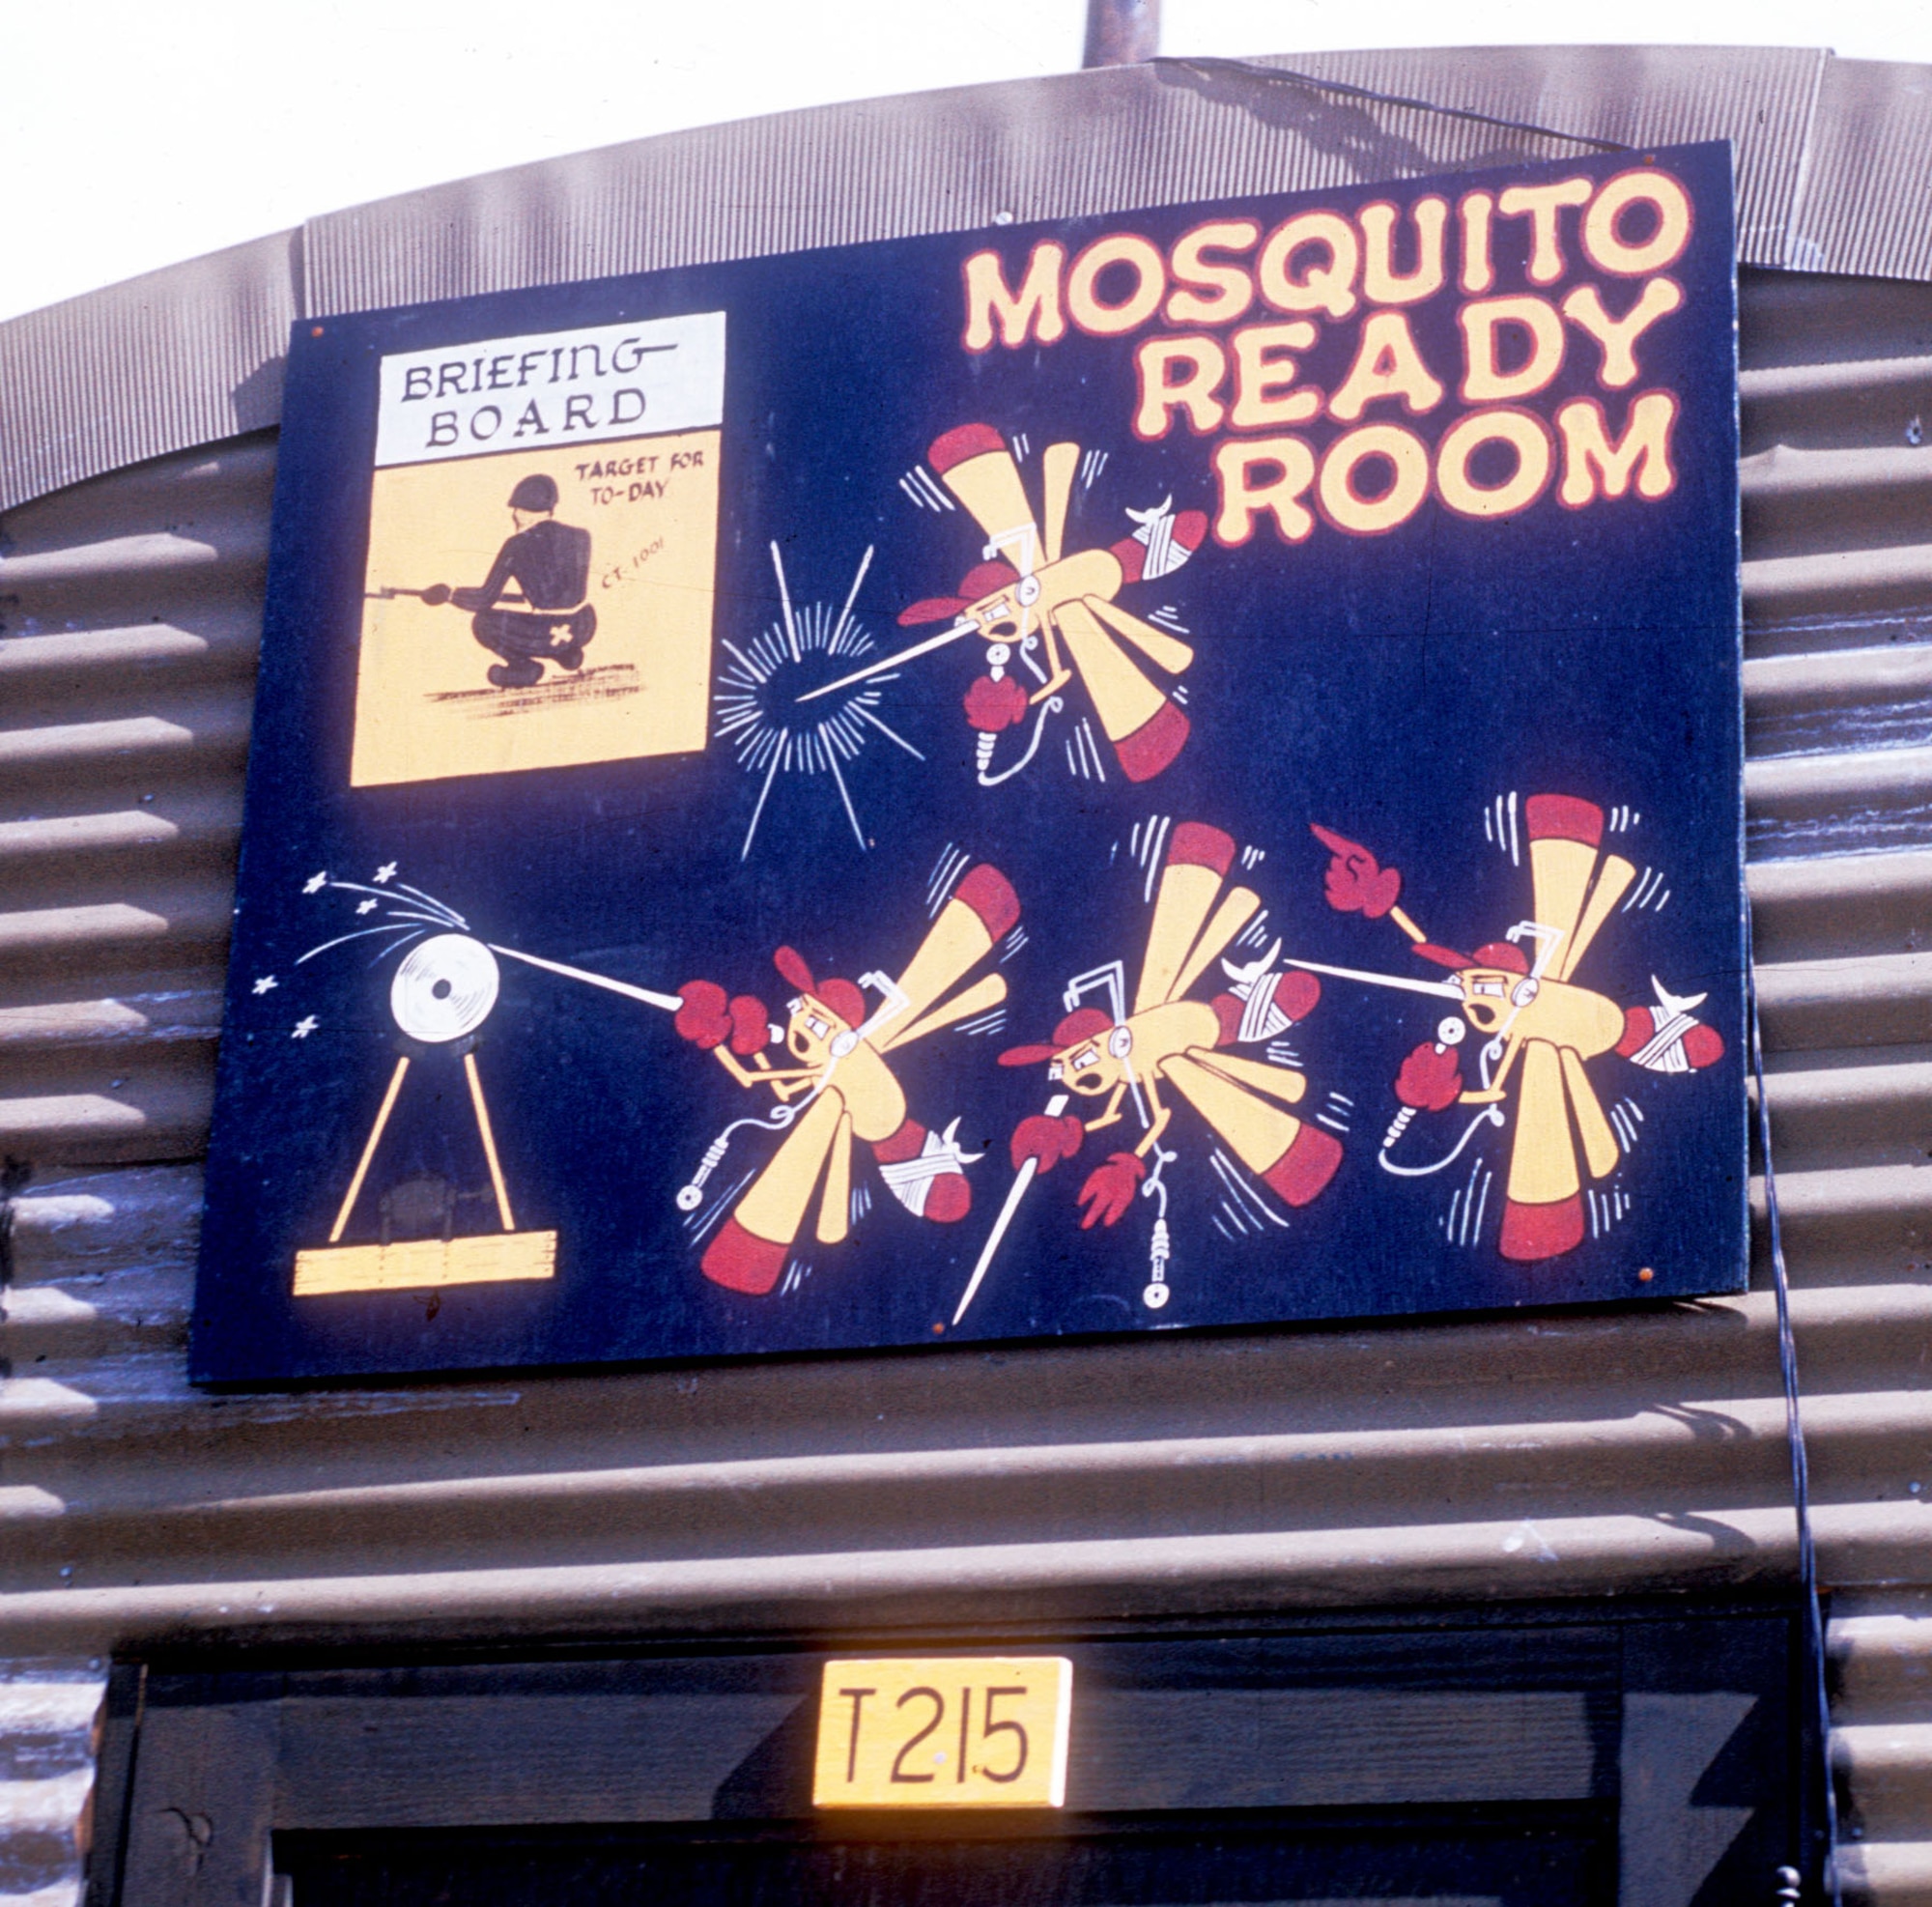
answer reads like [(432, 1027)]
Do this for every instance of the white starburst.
[(386, 874), (761, 712), (265, 985), (304, 1026)]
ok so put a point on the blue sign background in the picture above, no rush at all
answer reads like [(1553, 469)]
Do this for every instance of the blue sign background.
[(1392, 689)]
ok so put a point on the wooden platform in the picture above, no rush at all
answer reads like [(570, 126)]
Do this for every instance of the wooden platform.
[(419, 1264)]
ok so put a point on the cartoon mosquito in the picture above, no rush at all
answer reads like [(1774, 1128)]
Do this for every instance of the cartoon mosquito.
[(1052, 612), (839, 1085), (1541, 1027), (1170, 1042)]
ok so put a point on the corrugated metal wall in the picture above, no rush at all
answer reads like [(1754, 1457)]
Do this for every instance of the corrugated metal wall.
[(1572, 1453)]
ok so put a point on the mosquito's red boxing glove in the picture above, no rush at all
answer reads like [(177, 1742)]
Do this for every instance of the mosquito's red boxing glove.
[(1046, 1138), (751, 1026), (703, 1018), (1355, 881), (1110, 1189), (1296, 995), (991, 706), (1430, 1079)]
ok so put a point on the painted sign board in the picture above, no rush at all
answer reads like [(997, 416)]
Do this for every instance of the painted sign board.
[(944, 1731), (1174, 768)]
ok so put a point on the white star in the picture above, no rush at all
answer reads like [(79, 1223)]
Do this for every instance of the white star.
[(316, 882), (386, 874), (366, 907), (304, 1027), (265, 985)]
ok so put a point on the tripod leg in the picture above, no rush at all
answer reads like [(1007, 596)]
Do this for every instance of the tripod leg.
[(369, 1151), (489, 1141)]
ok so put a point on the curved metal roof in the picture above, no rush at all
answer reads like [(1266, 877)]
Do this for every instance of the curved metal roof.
[(1831, 156)]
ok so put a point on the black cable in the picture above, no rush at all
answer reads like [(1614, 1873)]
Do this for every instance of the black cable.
[(1794, 1433), (1209, 64)]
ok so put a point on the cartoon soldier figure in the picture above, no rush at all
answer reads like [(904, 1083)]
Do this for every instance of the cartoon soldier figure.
[(551, 564)]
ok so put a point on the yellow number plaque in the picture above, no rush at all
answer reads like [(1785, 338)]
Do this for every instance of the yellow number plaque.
[(946, 1732)]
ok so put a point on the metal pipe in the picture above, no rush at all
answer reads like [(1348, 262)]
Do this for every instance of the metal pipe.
[(1122, 33)]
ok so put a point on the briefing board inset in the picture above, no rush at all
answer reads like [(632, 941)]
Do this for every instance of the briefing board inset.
[(572, 478), (1176, 768)]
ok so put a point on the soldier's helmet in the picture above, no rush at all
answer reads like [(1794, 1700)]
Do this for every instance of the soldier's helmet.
[(534, 492)]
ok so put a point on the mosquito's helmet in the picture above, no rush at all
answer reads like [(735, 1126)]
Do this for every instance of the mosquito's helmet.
[(819, 1011), (1493, 981), (1083, 1055)]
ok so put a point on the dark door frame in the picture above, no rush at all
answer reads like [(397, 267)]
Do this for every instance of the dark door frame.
[(1679, 1717)]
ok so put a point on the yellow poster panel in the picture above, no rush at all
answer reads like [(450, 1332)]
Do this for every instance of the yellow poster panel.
[(537, 609), (944, 1731)]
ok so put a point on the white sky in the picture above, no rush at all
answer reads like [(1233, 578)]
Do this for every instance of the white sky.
[(139, 132)]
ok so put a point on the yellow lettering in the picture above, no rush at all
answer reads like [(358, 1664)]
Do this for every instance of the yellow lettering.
[(1387, 364), (1032, 311), (1382, 284), (1179, 374), (1262, 371), (1603, 242), (1084, 303), (1407, 460), (1593, 466), (1526, 435), (1330, 287), (1270, 473), (1540, 204), (1229, 287), (1478, 273), (1484, 380), (1617, 336)]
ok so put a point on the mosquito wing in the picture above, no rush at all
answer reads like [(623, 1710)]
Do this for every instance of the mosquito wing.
[(1059, 467), (1196, 863), (1564, 834), (1613, 879), (979, 914), (1283, 1083), (1164, 651), (1253, 1129), (835, 1209), (1601, 1151), (1143, 723), (1238, 906), (974, 463), (1292, 1157), (986, 992), (1181, 939), (1565, 837), (749, 1250), (1542, 1215)]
